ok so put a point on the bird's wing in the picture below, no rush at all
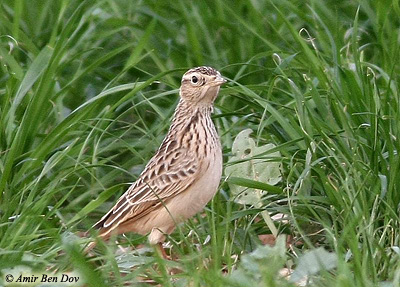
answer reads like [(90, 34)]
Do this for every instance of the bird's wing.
[(168, 173)]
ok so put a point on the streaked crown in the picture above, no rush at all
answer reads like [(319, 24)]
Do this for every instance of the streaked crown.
[(201, 85), (204, 70)]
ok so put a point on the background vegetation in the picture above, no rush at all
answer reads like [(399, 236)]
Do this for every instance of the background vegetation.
[(87, 90)]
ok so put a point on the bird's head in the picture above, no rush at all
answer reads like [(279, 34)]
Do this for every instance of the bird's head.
[(201, 85)]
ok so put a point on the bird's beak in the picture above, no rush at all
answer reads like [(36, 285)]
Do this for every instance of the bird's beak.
[(218, 81)]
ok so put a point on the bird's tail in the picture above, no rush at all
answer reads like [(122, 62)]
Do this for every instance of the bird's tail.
[(104, 233)]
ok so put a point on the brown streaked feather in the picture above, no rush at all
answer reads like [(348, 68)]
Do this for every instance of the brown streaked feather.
[(159, 181)]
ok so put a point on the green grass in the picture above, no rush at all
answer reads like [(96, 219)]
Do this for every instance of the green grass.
[(87, 91)]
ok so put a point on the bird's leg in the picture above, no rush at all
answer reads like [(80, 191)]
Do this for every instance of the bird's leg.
[(162, 251), (170, 270)]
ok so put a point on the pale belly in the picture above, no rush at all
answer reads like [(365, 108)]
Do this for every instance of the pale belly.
[(200, 193), (184, 205)]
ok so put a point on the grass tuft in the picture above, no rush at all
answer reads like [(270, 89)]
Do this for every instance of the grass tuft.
[(87, 90)]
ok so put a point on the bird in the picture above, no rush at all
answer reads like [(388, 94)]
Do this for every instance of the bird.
[(182, 176)]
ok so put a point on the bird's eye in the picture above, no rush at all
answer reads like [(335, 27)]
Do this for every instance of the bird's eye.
[(194, 79)]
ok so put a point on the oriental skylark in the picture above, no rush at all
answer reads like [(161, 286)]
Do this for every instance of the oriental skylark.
[(183, 175)]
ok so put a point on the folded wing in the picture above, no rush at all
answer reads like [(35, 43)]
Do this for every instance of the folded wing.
[(168, 173)]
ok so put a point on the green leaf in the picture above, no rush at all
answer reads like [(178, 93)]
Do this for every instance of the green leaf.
[(254, 184), (87, 271), (141, 45), (313, 262), (15, 68), (261, 265), (35, 70), (38, 66), (95, 203), (249, 176)]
